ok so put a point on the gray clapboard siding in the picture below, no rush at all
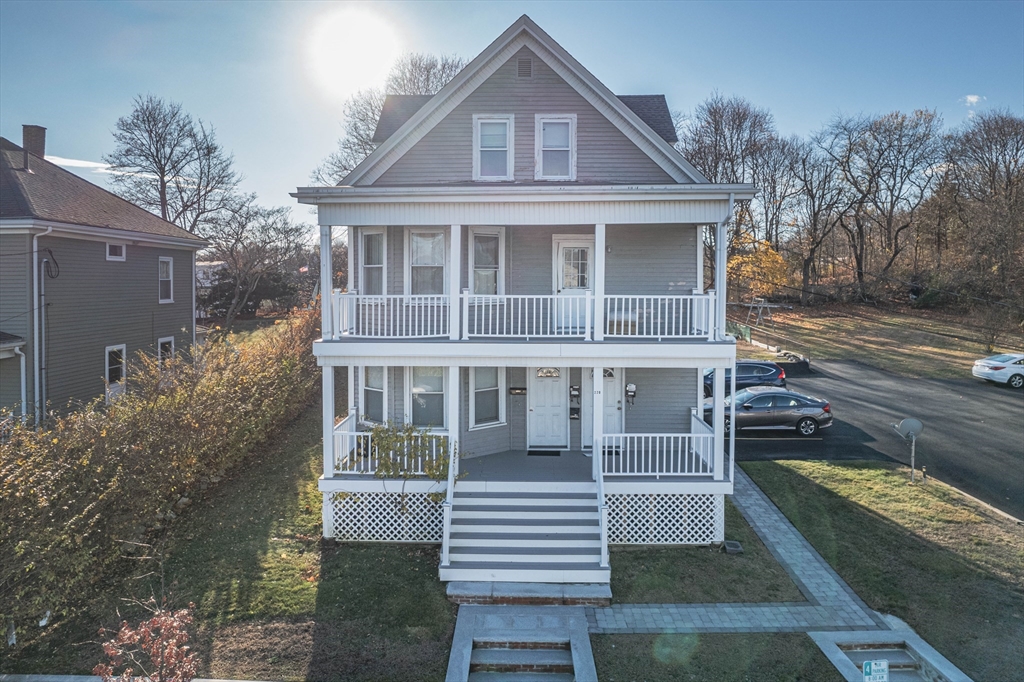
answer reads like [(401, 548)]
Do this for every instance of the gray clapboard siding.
[(651, 259), (95, 303), (663, 400), (486, 441), (530, 252), (445, 154), (517, 408), (16, 314)]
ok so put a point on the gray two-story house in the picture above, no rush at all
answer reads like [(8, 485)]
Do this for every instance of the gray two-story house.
[(87, 279), (526, 285)]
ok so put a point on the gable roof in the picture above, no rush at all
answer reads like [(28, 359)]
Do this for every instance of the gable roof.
[(48, 192), (652, 109), (524, 32)]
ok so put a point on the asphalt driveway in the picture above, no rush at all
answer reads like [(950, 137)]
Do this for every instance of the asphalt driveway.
[(973, 431)]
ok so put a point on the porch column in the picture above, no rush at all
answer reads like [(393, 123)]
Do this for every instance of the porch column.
[(718, 396), (453, 408), (328, 417), (699, 286), (598, 411), (599, 251), (326, 284), (721, 262), (455, 283)]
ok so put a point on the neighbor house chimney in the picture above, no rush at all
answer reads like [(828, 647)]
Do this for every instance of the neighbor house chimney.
[(33, 140)]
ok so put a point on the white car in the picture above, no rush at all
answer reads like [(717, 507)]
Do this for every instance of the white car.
[(1007, 368)]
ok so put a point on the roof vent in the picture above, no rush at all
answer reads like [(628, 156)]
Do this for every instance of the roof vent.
[(525, 67)]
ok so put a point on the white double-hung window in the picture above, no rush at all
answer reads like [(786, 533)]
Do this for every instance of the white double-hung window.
[(426, 260), (374, 390), (555, 147), (487, 260), (116, 368), (493, 152), (487, 401), (166, 279), (372, 269), (425, 397)]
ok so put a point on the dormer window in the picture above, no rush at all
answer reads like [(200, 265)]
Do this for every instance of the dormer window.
[(555, 137), (493, 153)]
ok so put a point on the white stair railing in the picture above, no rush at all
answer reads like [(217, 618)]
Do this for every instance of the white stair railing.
[(446, 507), (657, 454), (602, 507)]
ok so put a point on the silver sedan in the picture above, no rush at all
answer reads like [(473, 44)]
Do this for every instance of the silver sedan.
[(770, 408)]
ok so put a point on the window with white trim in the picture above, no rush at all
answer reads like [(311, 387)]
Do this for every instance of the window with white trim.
[(115, 369), (373, 255), (487, 396), (555, 147), (374, 388), (164, 349), (493, 150), (426, 258), (425, 396), (487, 260), (115, 251), (166, 275)]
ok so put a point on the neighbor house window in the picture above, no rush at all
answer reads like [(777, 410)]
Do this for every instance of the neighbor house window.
[(487, 260), (115, 251), (493, 153), (165, 349), (116, 368), (426, 262), (371, 280), (426, 396), (373, 394), (166, 280), (555, 139), (487, 391)]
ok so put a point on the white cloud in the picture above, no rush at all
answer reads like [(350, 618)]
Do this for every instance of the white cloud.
[(77, 163), (972, 100)]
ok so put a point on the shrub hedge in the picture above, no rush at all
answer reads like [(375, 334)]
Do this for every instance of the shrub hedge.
[(75, 494)]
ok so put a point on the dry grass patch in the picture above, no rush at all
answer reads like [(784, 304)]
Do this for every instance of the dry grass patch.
[(948, 566)]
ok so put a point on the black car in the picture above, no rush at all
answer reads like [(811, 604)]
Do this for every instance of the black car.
[(749, 373), (767, 408)]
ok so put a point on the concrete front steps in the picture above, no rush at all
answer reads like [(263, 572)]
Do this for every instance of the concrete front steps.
[(520, 661), (527, 532)]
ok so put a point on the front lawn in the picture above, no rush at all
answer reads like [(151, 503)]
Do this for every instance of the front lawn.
[(951, 568)]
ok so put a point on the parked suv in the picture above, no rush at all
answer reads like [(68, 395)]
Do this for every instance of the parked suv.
[(749, 373)]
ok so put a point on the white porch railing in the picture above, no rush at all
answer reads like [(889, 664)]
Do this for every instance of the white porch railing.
[(390, 317), (602, 509), (659, 317), (354, 451), (657, 454), (703, 447), (527, 316)]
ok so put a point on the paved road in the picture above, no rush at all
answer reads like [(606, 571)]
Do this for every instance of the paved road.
[(973, 431)]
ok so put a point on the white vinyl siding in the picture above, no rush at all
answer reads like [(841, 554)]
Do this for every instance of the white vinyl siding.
[(166, 277), (493, 152), (487, 260), (487, 397), (555, 147), (373, 273)]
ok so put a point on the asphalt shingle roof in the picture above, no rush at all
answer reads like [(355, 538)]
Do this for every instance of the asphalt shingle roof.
[(49, 192), (652, 110)]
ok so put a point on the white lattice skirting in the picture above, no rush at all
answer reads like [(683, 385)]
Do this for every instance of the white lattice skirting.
[(651, 519), (380, 517)]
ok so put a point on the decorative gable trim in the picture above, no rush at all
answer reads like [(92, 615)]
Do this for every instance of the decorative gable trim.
[(523, 33)]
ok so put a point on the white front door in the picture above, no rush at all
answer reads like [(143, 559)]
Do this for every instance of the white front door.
[(547, 400), (573, 279), (611, 395)]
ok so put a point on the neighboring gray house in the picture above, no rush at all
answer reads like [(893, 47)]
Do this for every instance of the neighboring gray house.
[(526, 282), (87, 279)]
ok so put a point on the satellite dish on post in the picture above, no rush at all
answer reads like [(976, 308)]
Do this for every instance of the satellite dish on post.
[(910, 428)]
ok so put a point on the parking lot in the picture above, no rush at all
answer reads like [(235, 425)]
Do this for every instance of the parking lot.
[(973, 431)]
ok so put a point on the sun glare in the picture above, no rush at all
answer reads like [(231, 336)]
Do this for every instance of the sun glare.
[(350, 49)]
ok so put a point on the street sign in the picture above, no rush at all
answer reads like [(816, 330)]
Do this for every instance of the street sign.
[(876, 671)]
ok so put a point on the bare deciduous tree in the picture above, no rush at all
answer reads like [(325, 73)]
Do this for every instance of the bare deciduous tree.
[(170, 164), (412, 74)]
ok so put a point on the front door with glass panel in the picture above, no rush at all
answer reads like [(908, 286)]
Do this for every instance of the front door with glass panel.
[(611, 395), (547, 416), (573, 279)]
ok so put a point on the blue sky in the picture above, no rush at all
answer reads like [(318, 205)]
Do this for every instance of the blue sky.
[(272, 84)]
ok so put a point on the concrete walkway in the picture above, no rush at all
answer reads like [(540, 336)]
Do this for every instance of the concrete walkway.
[(830, 605)]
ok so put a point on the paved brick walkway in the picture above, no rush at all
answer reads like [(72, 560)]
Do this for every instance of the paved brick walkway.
[(830, 605)]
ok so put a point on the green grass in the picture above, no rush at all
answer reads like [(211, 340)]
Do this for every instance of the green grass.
[(908, 342), (272, 600), (718, 657), (949, 567), (676, 575)]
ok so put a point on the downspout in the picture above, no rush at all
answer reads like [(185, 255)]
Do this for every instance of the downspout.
[(721, 262), (35, 324), (193, 302), (24, 386), (42, 339)]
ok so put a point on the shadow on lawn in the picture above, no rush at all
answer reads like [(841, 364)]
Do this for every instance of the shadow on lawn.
[(971, 615)]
